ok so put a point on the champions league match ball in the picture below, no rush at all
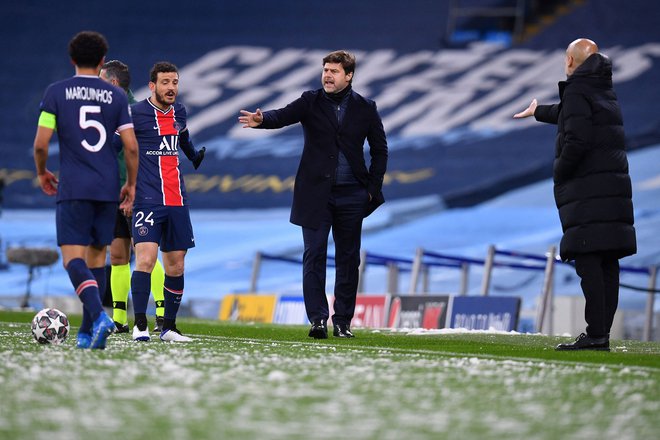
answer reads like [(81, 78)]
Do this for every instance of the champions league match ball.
[(50, 326)]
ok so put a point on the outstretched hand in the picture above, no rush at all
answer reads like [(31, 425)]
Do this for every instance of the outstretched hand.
[(251, 120), (529, 111)]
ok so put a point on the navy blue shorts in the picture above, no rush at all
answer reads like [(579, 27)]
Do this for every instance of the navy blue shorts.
[(169, 226), (85, 222)]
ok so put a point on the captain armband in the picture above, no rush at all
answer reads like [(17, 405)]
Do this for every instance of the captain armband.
[(47, 120)]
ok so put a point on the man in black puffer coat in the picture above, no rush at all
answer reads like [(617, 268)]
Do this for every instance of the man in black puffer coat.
[(592, 187)]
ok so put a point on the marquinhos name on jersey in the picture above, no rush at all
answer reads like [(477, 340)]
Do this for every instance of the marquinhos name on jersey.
[(159, 180), (88, 94)]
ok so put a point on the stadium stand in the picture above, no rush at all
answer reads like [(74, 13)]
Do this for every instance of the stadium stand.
[(449, 104)]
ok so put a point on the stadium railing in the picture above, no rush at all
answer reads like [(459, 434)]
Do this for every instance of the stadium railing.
[(425, 259), (419, 268), (394, 266)]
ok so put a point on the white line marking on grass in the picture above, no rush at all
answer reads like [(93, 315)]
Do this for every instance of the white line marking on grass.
[(387, 350)]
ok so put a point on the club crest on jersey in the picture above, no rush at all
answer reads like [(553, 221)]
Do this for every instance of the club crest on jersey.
[(143, 230)]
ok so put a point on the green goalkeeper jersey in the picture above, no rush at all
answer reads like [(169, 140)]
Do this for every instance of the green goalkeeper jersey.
[(120, 156)]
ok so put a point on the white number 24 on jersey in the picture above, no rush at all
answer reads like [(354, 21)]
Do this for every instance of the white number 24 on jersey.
[(140, 218)]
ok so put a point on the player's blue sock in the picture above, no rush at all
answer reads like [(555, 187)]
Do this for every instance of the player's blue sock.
[(87, 321), (173, 293), (99, 274), (86, 324), (87, 290), (140, 288)]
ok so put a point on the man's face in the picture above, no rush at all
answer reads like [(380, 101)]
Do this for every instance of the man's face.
[(165, 89), (334, 78), (103, 74)]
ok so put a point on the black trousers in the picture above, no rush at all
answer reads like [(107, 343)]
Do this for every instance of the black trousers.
[(343, 215), (600, 285)]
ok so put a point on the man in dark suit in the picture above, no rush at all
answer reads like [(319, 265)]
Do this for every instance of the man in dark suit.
[(333, 187), (591, 184)]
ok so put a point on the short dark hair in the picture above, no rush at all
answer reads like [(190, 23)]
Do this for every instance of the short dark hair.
[(343, 57), (115, 69), (161, 67), (87, 48)]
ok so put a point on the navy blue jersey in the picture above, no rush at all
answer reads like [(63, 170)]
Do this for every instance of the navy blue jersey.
[(159, 180), (87, 112)]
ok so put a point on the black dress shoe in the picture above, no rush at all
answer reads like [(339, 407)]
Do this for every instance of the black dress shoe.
[(319, 330), (342, 331), (585, 342)]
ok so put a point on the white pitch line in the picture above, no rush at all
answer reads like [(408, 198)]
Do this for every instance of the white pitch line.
[(613, 367)]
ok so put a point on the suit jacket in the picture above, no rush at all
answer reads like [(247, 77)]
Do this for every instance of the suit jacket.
[(324, 138), (592, 187)]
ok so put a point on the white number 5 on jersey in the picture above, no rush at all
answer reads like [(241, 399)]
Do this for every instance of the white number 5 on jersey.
[(91, 123)]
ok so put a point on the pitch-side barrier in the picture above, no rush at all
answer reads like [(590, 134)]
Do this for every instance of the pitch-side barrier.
[(419, 268), (425, 259)]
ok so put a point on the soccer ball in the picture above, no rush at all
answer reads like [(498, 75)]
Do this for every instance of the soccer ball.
[(50, 326)]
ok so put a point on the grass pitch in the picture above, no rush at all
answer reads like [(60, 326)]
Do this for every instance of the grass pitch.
[(239, 381)]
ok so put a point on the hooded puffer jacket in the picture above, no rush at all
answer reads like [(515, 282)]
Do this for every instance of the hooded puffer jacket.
[(592, 186)]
